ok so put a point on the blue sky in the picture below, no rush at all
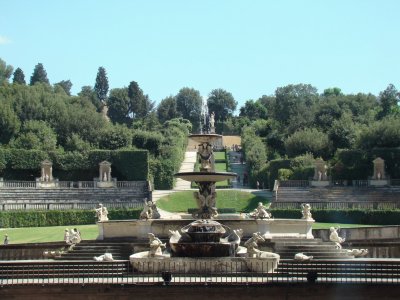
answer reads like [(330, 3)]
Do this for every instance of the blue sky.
[(248, 48)]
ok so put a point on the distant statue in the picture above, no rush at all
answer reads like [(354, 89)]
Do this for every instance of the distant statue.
[(379, 169), (101, 213), (205, 153), (357, 252), (334, 237), (320, 170), (156, 246), (302, 257), (104, 257), (6, 239), (261, 212), (74, 236), (212, 120), (306, 211), (67, 236)]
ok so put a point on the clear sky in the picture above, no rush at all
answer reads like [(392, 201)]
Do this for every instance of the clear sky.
[(248, 48)]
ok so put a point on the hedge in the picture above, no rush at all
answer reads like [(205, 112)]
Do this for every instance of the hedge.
[(351, 216), (20, 164), (35, 218)]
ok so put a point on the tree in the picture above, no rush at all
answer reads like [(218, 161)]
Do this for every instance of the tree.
[(119, 106), (343, 132), (19, 77), (221, 103), (66, 86), (380, 134), (101, 85), (388, 100), (253, 110), (140, 104), (167, 109), (9, 123), (36, 135), (294, 106), (5, 71), (88, 92), (335, 91), (39, 75), (188, 104), (307, 140), (116, 137)]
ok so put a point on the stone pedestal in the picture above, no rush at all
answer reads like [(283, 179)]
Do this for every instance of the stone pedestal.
[(268, 228), (322, 183), (47, 184), (106, 184), (1, 182), (376, 182)]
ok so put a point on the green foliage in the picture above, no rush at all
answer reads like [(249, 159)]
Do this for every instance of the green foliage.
[(66, 85), (388, 99), (39, 75), (36, 135), (188, 104), (101, 85), (35, 218), (116, 137), (221, 103), (273, 169), (284, 174), (151, 141), (127, 164), (309, 140), (167, 109), (380, 134), (9, 122), (5, 71), (19, 77)]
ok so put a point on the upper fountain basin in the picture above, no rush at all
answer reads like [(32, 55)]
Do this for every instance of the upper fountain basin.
[(205, 137), (205, 176)]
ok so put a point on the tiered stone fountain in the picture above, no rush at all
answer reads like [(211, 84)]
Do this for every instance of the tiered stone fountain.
[(205, 245)]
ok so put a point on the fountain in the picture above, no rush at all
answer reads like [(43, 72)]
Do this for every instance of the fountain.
[(206, 244)]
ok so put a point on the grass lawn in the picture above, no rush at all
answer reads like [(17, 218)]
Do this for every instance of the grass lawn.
[(241, 201), (46, 234), (328, 225), (219, 155)]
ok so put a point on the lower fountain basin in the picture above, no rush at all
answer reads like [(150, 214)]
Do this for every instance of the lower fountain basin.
[(184, 265)]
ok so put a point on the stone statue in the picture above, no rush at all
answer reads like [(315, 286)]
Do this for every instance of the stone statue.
[(252, 245), (104, 257), (357, 252), (206, 202), (320, 170), (74, 236), (379, 169), (205, 152), (149, 211), (334, 237), (306, 211), (302, 257), (261, 212), (101, 213), (156, 246)]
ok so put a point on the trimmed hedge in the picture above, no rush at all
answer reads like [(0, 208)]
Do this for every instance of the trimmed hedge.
[(351, 216), (35, 218), (20, 164)]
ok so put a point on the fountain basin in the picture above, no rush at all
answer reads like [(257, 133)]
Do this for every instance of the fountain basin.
[(206, 249), (205, 137), (201, 265), (205, 176)]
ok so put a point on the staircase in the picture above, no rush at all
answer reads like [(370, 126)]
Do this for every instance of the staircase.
[(87, 250), (287, 248)]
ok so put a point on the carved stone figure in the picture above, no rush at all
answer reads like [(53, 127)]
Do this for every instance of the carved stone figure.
[(357, 252), (306, 211), (302, 257), (320, 170), (105, 171), (205, 153), (101, 213), (334, 237), (261, 212), (149, 211), (156, 246), (252, 244), (379, 169), (104, 257), (46, 171), (206, 201)]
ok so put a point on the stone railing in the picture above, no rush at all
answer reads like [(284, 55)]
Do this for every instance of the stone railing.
[(68, 184), (68, 206), (293, 183), (338, 205)]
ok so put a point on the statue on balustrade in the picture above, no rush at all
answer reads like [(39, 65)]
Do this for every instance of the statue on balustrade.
[(334, 237), (101, 213), (261, 212), (306, 211)]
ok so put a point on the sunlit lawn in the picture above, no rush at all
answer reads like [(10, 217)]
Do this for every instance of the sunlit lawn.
[(219, 155), (47, 234)]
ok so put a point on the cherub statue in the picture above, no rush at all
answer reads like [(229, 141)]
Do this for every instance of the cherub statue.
[(306, 211), (156, 246), (334, 237), (147, 212), (101, 213), (261, 212), (252, 244)]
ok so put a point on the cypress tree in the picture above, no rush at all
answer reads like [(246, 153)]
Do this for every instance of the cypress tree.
[(39, 75), (19, 76)]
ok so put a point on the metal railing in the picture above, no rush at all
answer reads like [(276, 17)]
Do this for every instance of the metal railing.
[(175, 273)]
